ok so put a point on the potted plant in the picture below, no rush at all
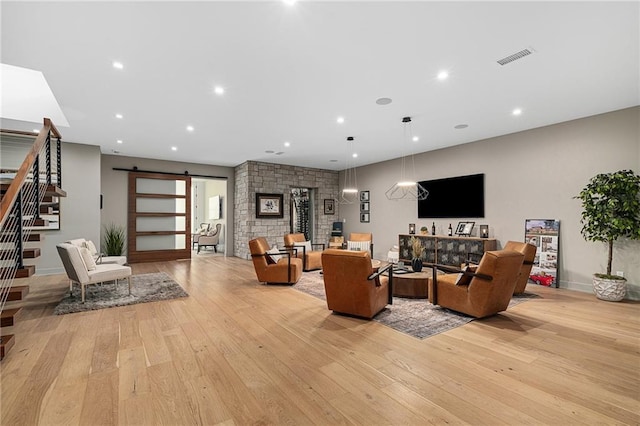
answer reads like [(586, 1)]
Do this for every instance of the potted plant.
[(611, 210), (113, 240), (424, 230), (416, 251)]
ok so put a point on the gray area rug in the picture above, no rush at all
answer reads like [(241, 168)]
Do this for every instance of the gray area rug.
[(144, 288), (416, 317)]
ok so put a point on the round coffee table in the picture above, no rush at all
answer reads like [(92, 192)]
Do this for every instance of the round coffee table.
[(414, 285)]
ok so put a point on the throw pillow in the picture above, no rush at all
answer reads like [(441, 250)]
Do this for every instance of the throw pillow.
[(359, 245), (273, 255), (91, 247), (87, 258), (465, 279), (306, 245)]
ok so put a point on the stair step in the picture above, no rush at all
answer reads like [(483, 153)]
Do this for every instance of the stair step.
[(8, 317), (31, 237), (6, 342), (38, 222), (29, 253), (46, 209), (55, 190), (17, 292), (23, 272)]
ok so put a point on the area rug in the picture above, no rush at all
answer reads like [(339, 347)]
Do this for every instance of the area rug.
[(144, 288), (415, 317)]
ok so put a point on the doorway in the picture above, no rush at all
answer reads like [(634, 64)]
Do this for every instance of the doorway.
[(302, 208)]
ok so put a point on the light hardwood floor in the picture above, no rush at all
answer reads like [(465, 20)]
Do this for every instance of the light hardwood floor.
[(238, 352)]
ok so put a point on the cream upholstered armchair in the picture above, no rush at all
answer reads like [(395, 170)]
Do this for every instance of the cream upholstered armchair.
[(82, 269), (482, 293), (99, 258), (273, 265), (360, 241), (311, 259), (352, 285), (210, 239)]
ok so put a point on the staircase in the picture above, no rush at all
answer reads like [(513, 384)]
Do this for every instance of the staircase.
[(28, 192)]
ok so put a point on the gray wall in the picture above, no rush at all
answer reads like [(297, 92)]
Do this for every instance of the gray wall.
[(79, 210), (528, 175), (115, 185)]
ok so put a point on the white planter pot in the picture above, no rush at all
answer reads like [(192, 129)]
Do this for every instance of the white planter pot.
[(611, 290)]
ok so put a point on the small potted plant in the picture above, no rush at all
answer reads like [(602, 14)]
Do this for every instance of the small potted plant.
[(113, 240), (611, 210), (424, 230), (416, 251)]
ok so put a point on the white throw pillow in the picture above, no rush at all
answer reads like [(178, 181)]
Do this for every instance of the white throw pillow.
[(359, 245), (87, 258), (306, 245), (91, 247), (274, 254)]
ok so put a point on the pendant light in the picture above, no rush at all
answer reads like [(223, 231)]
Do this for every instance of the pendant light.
[(407, 188), (349, 192)]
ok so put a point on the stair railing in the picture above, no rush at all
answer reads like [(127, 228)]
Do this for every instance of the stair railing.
[(20, 205)]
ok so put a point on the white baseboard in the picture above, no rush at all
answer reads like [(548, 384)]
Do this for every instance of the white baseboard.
[(49, 271)]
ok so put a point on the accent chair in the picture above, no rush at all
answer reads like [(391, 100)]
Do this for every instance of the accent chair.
[(360, 241), (274, 266), (352, 285), (529, 252), (311, 259), (210, 239)]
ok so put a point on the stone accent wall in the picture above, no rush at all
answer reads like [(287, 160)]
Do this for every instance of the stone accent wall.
[(255, 177)]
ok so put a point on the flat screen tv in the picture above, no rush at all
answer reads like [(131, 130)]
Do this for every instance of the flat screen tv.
[(455, 197)]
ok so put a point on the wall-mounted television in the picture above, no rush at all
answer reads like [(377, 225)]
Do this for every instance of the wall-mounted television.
[(454, 197)]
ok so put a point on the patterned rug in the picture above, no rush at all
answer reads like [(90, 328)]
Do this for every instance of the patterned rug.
[(144, 288), (416, 317)]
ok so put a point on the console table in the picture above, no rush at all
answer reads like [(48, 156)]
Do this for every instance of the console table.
[(446, 250)]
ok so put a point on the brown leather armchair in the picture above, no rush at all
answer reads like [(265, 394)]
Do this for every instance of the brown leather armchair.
[(482, 293), (529, 252), (286, 270), (361, 237), (351, 284), (311, 259)]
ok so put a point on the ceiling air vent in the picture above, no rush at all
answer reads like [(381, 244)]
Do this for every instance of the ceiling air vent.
[(515, 56)]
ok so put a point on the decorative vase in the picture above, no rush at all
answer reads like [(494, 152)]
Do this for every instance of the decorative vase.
[(608, 289), (416, 264)]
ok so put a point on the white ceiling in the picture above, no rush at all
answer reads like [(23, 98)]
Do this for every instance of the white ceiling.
[(289, 72)]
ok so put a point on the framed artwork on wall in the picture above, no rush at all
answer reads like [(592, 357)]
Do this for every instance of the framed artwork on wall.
[(364, 195), (364, 217), (329, 206), (269, 206)]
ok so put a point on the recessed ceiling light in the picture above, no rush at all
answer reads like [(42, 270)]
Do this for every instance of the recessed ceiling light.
[(218, 90), (174, 148), (415, 139), (517, 111), (460, 126), (443, 75), (289, 2), (383, 101), (118, 115), (279, 153), (269, 151), (119, 141), (36, 130), (354, 155), (333, 161), (115, 151), (340, 120), (287, 144), (118, 65), (190, 129)]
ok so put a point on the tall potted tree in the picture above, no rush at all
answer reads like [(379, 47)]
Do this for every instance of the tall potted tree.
[(611, 210)]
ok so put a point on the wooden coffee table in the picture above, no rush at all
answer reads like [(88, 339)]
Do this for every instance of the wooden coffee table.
[(414, 285)]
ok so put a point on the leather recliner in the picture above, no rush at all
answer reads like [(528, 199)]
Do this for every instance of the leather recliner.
[(482, 293), (529, 252), (351, 284), (286, 270), (311, 259)]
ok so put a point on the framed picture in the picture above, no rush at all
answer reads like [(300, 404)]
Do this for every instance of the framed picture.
[(464, 228), (364, 217), (364, 195), (329, 206), (545, 235), (364, 207), (269, 206)]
